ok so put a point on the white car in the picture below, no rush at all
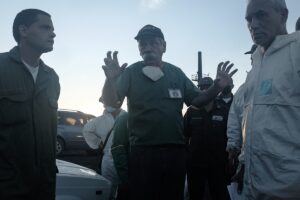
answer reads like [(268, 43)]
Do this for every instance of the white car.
[(75, 182)]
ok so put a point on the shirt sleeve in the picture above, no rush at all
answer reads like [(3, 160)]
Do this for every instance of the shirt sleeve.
[(89, 134), (234, 124), (190, 91), (296, 57), (123, 84)]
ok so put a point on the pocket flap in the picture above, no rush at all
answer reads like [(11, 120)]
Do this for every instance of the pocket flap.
[(16, 95)]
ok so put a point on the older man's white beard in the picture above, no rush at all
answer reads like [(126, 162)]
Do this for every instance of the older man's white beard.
[(150, 59)]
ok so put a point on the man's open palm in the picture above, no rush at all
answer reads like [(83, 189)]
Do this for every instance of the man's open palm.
[(112, 67)]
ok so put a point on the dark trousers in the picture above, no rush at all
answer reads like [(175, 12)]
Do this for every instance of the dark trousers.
[(157, 172), (123, 192), (216, 179), (37, 189)]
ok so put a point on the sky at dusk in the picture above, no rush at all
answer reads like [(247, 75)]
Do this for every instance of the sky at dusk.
[(87, 29)]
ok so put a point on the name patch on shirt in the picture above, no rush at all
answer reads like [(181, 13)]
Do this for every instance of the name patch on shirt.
[(266, 87), (217, 118), (175, 93)]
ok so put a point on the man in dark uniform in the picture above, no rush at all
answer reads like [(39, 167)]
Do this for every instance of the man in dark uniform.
[(205, 129), (29, 91), (225, 97), (298, 24)]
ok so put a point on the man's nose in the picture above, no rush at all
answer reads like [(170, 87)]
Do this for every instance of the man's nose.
[(147, 46), (253, 24), (53, 35)]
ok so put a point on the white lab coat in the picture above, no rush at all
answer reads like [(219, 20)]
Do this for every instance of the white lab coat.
[(235, 120), (272, 126), (234, 132), (95, 132)]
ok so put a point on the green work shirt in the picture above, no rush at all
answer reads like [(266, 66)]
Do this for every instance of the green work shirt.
[(155, 107), (28, 125), (120, 147)]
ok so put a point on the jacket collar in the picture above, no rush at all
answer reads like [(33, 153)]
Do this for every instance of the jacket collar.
[(279, 42), (14, 53), (43, 76)]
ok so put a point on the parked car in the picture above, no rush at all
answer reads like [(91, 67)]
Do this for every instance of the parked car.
[(69, 131), (75, 182)]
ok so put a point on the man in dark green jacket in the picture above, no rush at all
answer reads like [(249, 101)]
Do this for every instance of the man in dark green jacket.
[(29, 91), (120, 152)]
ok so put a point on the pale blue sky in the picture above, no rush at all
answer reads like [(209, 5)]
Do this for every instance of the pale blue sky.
[(87, 29)]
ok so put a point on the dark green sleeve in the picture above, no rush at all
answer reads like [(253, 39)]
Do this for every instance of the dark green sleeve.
[(190, 91), (115, 90), (120, 147), (123, 84)]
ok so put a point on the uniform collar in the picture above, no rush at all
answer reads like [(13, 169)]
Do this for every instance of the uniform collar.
[(216, 106), (279, 42), (14, 53)]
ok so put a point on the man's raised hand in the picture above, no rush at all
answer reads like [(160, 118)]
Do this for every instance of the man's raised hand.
[(224, 75), (112, 67)]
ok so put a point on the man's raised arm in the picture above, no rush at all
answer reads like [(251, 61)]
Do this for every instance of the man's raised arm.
[(222, 80), (112, 72)]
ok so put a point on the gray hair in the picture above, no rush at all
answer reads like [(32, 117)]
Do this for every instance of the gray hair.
[(277, 4)]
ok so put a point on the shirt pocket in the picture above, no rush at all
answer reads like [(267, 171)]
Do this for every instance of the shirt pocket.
[(173, 98), (196, 123), (14, 106), (197, 133)]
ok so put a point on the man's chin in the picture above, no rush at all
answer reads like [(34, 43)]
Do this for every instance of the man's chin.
[(261, 41), (47, 49), (149, 59)]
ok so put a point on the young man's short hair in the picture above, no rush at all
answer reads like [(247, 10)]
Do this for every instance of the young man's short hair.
[(26, 17)]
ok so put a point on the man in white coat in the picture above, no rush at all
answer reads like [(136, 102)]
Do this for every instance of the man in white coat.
[(95, 133), (272, 105), (235, 137)]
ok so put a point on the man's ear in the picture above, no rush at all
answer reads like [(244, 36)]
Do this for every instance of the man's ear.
[(22, 30), (165, 46), (284, 15)]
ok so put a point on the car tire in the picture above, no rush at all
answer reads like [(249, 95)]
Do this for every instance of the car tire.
[(60, 146)]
